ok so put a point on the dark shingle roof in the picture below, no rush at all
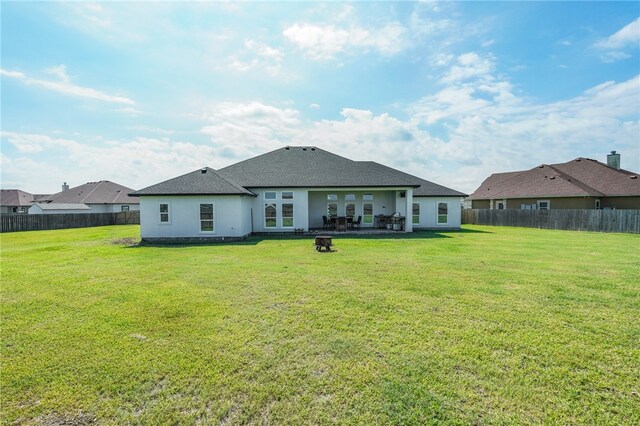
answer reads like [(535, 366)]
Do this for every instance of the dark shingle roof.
[(295, 167), (102, 192), (581, 177), (426, 188), (204, 181), (306, 167), (15, 197)]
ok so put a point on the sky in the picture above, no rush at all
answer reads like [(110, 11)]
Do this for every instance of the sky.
[(140, 92)]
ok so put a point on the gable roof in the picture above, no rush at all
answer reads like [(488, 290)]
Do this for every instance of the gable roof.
[(200, 182), (295, 167), (582, 177), (15, 197), (101, 192)]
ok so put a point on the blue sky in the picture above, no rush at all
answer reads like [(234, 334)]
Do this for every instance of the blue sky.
[(139, 92)]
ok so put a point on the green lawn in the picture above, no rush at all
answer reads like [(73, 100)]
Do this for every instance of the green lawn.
[(487, 325)]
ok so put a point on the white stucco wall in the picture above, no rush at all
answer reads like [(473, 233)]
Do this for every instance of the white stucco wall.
[(300, 203), (429, 212), (230, 219)]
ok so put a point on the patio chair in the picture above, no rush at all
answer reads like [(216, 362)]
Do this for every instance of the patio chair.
[(341, 223), (326, 223), (356, 223)]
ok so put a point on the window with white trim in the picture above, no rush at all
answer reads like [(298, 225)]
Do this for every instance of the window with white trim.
[(270, 215), (287, 215), (443, 213), (350, 209), (367, 213), (206, 218), (350, 197), (271, 195), (367, 197), (332, 209), (164, 213), (287, 195), (124, 208), (598, 204), (543, 204), (415, 214), (332, 197)]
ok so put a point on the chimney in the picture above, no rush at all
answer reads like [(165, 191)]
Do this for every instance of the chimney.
[(613, 160), (65, 187)]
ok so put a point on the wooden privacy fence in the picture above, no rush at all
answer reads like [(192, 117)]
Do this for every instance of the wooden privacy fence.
[(627, 221), (38, 222)]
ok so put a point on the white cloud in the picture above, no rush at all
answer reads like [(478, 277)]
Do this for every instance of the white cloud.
[(64, 86), (135, 163), (257, 56), (469, 65), (322, 42), (628, 35)]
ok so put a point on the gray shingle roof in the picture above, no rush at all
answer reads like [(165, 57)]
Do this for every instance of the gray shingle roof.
[(582, 177), (204, 181), (15, 197), (102, 192), (295, 167), (63, 206)]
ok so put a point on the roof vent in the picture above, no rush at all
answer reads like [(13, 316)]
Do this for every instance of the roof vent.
[(541, 167), (578, 160), (313, 149), (633, 177), (304, 149), (287, 148), (203, 170), (552, 177)]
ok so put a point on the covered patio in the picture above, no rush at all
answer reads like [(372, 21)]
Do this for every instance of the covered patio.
[(359, 210)]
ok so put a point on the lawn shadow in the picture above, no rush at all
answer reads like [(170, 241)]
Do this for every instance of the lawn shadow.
[(257, 239)]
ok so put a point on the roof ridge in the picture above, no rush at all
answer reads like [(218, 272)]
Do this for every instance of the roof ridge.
[(575, 182), (92, 191)]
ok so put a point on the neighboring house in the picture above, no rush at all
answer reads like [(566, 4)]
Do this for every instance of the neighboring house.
[(96, 197), (288, 189), (15, 201), (582, 183)]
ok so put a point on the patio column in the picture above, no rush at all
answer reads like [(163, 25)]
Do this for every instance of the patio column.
[(408, 223)]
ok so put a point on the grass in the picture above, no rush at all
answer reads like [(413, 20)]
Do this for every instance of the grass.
[(488, 325)]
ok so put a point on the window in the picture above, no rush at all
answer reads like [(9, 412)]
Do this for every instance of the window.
[(443, 213), (367, 197), (164, 213), (350, 197), (500, 205), (415, 218), (288, 195), (332, 197), (350, 209), (287, 215), (206, 218), (367, 213), (332, 209), (270, 216), (598, 204), (269, 195), (124, 208), (543, 204)]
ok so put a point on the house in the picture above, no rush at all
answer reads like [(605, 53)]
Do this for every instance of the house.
[(92, 197), (289, 189), (15, 201), (582, 183)]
